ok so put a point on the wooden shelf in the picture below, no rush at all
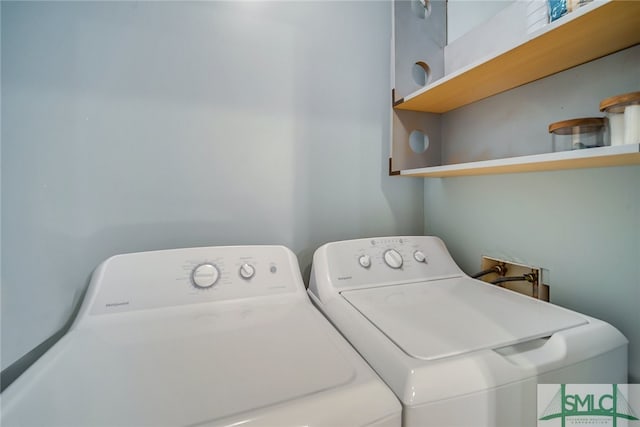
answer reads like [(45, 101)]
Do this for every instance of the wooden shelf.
[(591, 32), (620, 155)]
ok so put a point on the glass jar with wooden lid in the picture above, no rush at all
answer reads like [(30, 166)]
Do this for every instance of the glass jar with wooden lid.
[(574, 134), (623, 114)]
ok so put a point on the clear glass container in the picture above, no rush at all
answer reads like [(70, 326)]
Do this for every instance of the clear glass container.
[(623, 115), (575, 134)]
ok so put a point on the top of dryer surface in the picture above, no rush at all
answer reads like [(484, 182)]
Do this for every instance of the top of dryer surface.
[(153, 347), (209, 365)]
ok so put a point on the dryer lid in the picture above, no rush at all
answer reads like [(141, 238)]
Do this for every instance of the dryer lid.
[(438, 319)]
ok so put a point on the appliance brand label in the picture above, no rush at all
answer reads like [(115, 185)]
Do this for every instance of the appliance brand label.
[(116, 304)]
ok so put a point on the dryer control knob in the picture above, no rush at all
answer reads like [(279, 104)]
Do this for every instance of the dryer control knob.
[(393, 258), (420, 256), (365, 261), (247, 271), (205, 276)]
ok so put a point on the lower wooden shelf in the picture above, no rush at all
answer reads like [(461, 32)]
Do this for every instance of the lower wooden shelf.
[(620, 155)]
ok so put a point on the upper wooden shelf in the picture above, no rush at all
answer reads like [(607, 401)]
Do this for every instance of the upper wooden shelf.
[(591, 32)]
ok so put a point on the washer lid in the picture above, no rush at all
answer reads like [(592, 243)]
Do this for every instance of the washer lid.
[(434, 320), (183, 370)]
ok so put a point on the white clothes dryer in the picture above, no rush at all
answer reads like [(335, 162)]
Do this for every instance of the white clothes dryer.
[(218, 336), (456, 351)]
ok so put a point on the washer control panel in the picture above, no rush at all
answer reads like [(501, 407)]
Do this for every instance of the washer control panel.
[(384, 260), (195, 275)]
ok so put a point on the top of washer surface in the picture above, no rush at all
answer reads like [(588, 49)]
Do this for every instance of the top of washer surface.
[(417, 296), (444, 318)]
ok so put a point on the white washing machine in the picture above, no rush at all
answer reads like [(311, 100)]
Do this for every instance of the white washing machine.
[(455, 350), (219, 336)]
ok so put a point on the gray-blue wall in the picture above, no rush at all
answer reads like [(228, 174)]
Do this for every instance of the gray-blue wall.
[(582, 226), (131, 126)]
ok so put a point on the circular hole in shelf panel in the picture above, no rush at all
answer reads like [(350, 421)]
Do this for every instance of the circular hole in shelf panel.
[(421, 73), (418, 141)]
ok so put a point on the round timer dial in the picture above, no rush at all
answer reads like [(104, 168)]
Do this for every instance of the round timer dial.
[(205, 276), (393, 258)]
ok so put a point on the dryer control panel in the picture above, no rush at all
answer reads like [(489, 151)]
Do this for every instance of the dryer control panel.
[(383, 260), (195, 275)]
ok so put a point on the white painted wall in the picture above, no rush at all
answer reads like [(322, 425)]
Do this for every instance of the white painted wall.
[(137, 126)]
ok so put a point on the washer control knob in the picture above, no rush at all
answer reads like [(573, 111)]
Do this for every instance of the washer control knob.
[(420, 256), (393, 258), (247, 271), (205, 275), (365, 261)]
